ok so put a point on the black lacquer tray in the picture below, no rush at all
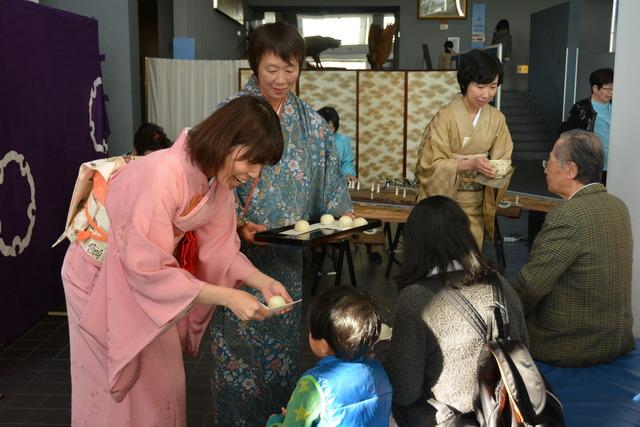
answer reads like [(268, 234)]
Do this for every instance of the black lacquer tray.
[(311, 238)]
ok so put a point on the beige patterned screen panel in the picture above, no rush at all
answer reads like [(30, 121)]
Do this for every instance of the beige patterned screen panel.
[(383, 112), (427, 92), (381, 99), (337, 89)]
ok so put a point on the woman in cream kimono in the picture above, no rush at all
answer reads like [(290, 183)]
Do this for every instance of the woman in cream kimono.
[(459, 141)]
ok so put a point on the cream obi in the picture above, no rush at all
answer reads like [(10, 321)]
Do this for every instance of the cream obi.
[(87, 221)]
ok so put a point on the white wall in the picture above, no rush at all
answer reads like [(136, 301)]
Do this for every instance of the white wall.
[(624, 173)]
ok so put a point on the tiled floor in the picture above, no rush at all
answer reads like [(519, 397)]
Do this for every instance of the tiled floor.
[(34, 369), (34, 376)]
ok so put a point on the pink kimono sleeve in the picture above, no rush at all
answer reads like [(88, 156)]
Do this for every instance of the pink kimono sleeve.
[(143, 235), (220, 262), (219, 243), (145, 292)]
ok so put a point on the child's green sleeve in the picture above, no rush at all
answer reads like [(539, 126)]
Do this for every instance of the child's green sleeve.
[(304, 407)]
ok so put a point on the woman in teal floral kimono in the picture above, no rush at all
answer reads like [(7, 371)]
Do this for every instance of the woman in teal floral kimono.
[(256, 363)]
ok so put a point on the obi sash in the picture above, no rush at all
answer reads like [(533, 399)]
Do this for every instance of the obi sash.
[(87, 221)]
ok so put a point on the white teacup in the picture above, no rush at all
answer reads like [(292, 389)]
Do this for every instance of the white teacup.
[(502, 167)]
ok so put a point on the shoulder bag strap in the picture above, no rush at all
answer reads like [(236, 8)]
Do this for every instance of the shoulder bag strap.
[(468, 311), (500, 313)]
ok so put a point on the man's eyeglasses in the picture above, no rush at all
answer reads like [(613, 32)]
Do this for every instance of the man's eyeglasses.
[(607, 88), (546, 163)]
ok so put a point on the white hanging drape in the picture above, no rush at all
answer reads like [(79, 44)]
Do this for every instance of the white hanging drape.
[(182, 93)]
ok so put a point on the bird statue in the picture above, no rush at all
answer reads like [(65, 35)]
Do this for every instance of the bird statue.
[(380, 44), (315, 45)]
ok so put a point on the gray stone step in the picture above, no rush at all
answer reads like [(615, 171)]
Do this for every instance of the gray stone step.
[(522, 128), (526, 120), (509, 95), (529, 136), (507, 103), (519, 111)]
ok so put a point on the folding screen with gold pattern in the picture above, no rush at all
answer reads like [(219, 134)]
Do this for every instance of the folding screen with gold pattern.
[(427, 92), (381, 100), (335, 89), (383, 112)]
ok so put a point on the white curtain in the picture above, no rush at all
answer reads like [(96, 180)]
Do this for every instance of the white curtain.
[(182, 93)]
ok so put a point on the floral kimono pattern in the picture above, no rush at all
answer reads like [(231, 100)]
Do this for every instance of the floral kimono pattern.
[(255, 364)]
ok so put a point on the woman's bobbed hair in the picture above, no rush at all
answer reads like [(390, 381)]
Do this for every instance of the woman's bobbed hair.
[(247, 121), (279, 38), (480, 67), (436, 234)]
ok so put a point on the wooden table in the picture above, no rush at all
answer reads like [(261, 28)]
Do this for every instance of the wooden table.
[(382, 212), (388, 207), (532, 202)]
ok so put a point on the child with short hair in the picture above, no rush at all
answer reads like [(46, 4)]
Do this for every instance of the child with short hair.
[(345, 388), (342, 142)]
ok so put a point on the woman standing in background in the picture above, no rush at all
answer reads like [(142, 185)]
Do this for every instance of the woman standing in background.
[(502, 35), (444, 61), (461, 138)]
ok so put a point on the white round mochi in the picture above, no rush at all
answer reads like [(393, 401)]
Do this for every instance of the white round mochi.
[(302, 226), (276, 301), (345, 221), (327, 219), (359, 222)]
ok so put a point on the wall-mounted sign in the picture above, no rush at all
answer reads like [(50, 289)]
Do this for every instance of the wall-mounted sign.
[(477, 40), (477, 25)]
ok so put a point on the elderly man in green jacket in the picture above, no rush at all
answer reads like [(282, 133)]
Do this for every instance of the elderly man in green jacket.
[(576, 285)]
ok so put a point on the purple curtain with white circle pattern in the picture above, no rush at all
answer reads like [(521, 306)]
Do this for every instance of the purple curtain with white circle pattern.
[(52, 118)]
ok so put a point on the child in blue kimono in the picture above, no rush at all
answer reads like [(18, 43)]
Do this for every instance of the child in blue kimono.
[(345, 388), (342, 142)]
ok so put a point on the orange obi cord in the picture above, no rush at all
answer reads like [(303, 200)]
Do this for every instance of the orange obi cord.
[(99, 187), (83, 235), (188, 252)]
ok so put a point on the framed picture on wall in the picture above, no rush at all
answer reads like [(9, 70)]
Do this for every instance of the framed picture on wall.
[(442, 9)]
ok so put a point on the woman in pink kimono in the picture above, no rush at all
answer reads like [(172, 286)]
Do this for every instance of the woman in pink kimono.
[(131, 318)]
